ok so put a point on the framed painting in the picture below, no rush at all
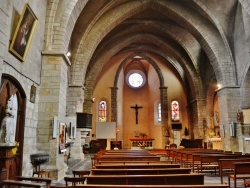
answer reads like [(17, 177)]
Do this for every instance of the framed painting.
[(62, 137), (23, 33), (33, 94)]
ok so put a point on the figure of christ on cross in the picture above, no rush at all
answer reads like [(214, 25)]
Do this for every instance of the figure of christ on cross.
[(136, 107)]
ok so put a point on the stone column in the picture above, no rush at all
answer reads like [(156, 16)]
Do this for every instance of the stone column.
[(53, 94), (229, 103), (75, 98), (114, 104), (164, 116), (197, 114)]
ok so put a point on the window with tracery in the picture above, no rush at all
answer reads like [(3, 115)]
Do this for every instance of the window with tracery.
[(175, 111), (103, 111)]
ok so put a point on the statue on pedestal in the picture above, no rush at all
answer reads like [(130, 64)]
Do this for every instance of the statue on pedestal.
[(7, 129)]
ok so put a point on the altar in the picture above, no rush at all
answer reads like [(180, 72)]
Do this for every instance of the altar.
[(141, 143)]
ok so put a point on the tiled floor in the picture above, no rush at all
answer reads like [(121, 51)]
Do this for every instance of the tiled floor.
[(86, 165)]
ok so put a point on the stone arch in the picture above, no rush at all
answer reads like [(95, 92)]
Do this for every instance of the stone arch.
[(58, 31), (147, 58)]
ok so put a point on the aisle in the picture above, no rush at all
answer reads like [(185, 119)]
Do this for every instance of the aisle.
[(75, 164)]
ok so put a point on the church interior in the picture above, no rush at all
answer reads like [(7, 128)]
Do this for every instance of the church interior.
[(84, 76)]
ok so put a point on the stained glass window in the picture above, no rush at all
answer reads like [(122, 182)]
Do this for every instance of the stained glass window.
[(159, 113), (135, 80), (103, 111), (175, 111)]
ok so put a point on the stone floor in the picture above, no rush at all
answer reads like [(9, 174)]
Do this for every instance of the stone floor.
[(86, 164)]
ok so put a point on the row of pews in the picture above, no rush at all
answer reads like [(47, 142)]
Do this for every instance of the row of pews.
[(177, 168), (140, 168), (235, 165)]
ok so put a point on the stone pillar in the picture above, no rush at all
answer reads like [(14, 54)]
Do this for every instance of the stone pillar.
[(164, 116), (114, 104), (229, 103), (53, 94), (197, 114), (75, 98)]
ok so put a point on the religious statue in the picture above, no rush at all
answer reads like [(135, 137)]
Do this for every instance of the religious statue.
[(204, 123), (7, 129)]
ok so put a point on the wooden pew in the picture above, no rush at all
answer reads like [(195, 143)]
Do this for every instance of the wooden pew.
[(246, 183), (134, 162), (96, 159), (226, 166), (185, 160), (141, 171), (137, 166), (196, 158), (153, 186), (9, 183), (211, 161), (130, 158), (35, 179), (170, 179), (127, 151), (241, 171)]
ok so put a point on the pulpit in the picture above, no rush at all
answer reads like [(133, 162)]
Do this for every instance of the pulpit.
[(8, 164), (142, 143)]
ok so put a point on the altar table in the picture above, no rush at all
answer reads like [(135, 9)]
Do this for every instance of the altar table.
[(141, 143)]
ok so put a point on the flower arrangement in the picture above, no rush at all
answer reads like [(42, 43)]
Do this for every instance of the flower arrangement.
[(210, 133), (14, 150), (143, 135), (116, 143)]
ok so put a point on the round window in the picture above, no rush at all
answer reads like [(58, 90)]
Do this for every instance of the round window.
[(136, 78)]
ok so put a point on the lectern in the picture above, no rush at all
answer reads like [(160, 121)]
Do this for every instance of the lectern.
[(8, 165)]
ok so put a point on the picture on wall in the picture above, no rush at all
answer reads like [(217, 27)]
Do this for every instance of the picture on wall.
[(23, 33), (62, 137), (33, 94)]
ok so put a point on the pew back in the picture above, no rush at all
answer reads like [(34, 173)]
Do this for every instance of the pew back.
[(153, 186), (137, 166), (172, 179), (141, 171)]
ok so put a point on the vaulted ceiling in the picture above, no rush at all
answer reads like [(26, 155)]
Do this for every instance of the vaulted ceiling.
[(191, 36)]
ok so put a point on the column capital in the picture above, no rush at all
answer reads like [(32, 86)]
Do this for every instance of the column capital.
[(57, 53)]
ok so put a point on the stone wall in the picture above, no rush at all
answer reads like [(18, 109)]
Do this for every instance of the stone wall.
[(27, 73)]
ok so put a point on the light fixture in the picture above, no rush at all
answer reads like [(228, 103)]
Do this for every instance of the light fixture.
[(68, 54), (218, 86)]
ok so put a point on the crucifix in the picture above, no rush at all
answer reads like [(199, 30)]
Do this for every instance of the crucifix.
[(136, 107)]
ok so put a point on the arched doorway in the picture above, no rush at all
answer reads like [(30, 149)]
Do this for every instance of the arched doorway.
[(12, 92)]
